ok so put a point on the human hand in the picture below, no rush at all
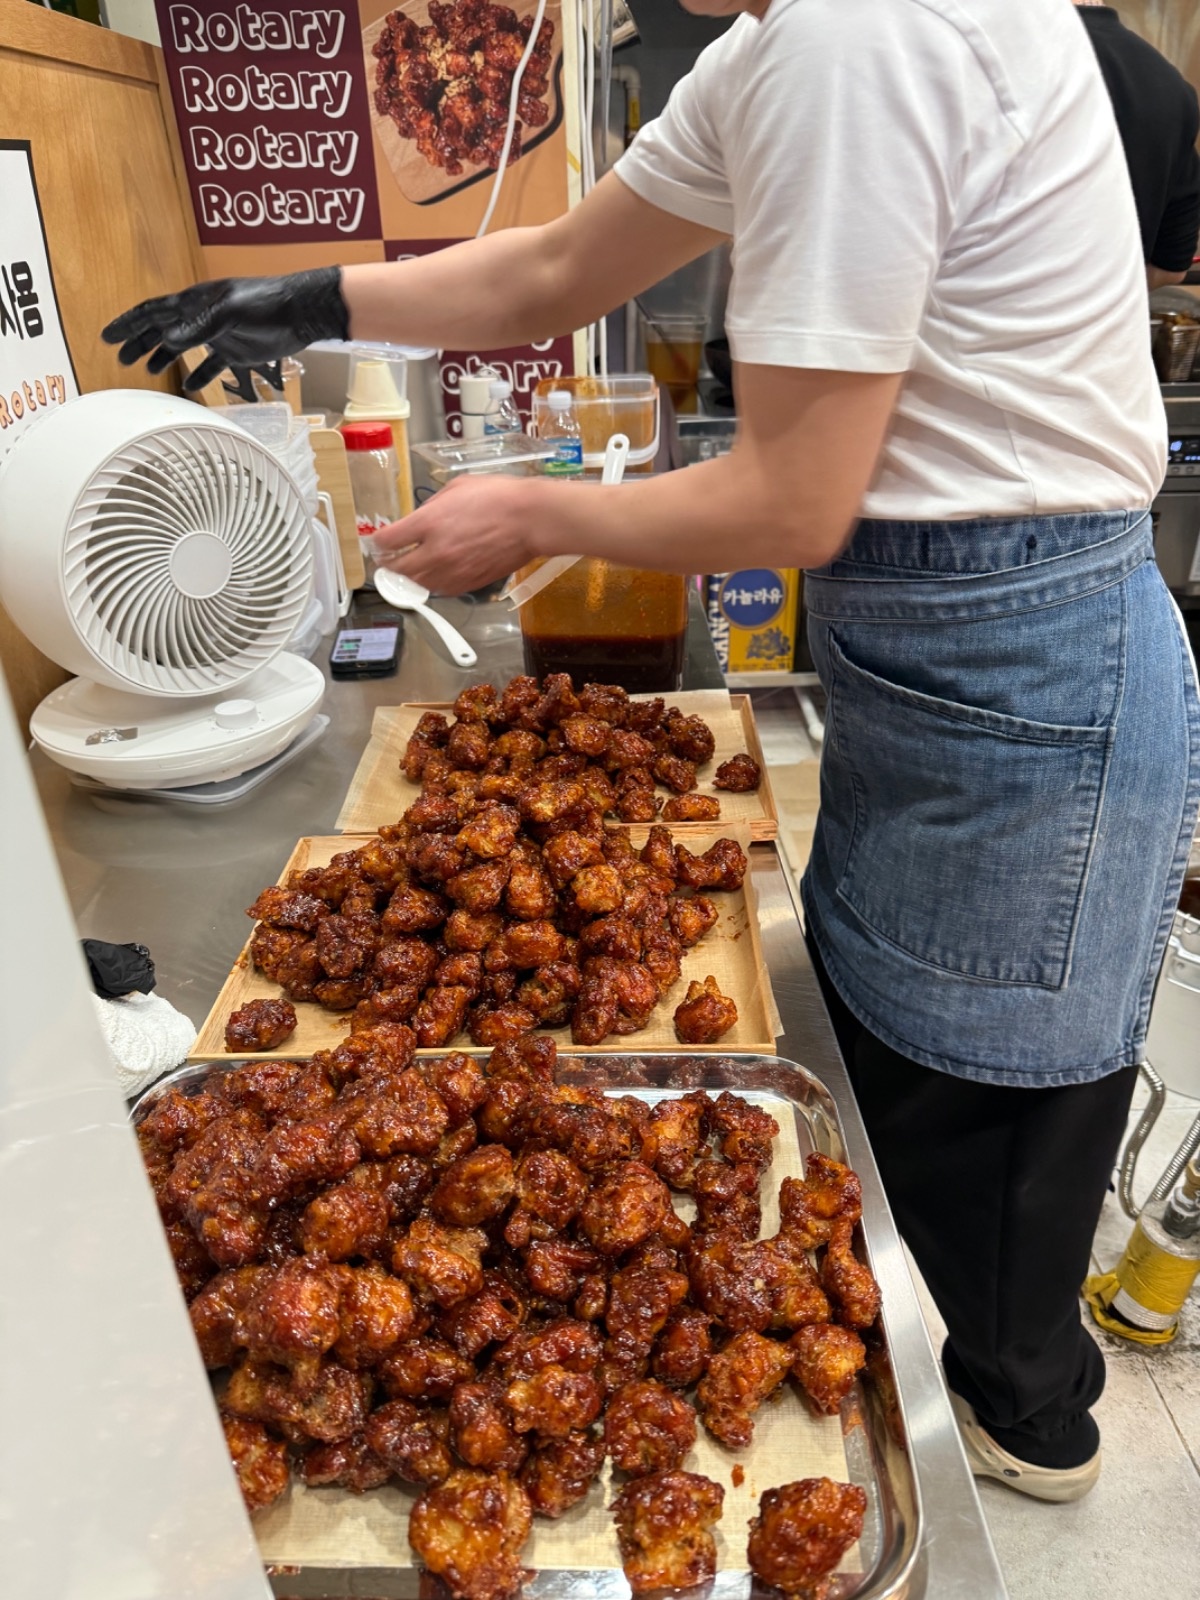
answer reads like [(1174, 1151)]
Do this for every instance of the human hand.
[(466, 536), (245, 322)]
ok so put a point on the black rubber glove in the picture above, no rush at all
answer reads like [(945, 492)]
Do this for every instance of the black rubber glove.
[(246, 323)]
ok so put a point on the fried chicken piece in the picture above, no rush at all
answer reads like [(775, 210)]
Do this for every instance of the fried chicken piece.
[(347, 944), (409, 1440), (300, 971), (399, 1115), (597, 1010), (470, 1530), (755, 1284), (553, 1401), (550, 1189), (298, 1156), (640, 1300), (441, 1015), (384, 1050), (424, 1368), (490, 1318), (213, 1186), (692, 808), (481, 888), (177, 1120), (525, 945), (348, 1464), (332, 1406), (349, 1219), (260, 1025), (376, 1315), (809, 1207), (285, 908), (648, 1429), (606, 702), (460, 1085), (625, 1207), (433, 726), (292, 1317), (435, 857), (395, 1004), (480, 1430), (675, 773), (636, 800), (418, 752), (441, 1264), (476, 1188), (478, 703), (474, 932), (261, 1462), (269, 948), (627, 750), (684, 1348), (690, 919), (801, 1533), (704, 1015), (193, 1265), (722, 866), (550, 993), (529, 895), (850, 1285), (559, 1472), (518, 695), (689, 737), (663, 1528), (827, 1358), (658, 852), (739, 1378), (556, 1269), (727, 1197), (661, 958), (741, 774), (216, 1312), (563, 1342), (492, 1025), (598, 890), (469, 745), (590, 1134), (342, 994), (412, 910), (405, 1181), (675, 1133), (744, 1131)]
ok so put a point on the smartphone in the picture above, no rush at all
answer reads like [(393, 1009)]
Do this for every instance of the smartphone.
[(365, 652)]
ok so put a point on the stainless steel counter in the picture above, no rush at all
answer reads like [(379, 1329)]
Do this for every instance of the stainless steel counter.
[(178, 880)]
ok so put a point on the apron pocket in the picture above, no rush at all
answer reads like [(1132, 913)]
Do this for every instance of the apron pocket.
[(972, 829)]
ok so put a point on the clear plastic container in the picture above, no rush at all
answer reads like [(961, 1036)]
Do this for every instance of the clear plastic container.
[(502, 416), (626, 403), (371, 460), (605, 623), (562, 431)]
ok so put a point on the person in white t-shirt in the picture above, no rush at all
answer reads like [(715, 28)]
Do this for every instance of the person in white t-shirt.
[(948, 414)]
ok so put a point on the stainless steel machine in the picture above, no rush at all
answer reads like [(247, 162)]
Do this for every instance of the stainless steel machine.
[(1176, 512)]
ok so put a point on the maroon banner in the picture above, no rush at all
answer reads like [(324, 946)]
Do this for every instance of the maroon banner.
[(273, 119)]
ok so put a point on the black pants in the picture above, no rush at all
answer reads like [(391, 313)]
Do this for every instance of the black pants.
[(997, 1192)]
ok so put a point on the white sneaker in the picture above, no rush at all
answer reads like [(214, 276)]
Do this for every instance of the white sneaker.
[(987, 1459)]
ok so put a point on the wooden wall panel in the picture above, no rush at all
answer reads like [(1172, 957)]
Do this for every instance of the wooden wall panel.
[(118, 219), (1172, 26)]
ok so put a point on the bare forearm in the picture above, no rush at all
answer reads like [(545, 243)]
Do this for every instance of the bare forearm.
[(711, 517), (482, 295)]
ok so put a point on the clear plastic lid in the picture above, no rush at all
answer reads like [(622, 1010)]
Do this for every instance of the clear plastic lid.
[(481, 455)]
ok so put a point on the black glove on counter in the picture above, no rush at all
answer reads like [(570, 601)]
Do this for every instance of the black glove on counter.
[(246, 323), (118, 969)]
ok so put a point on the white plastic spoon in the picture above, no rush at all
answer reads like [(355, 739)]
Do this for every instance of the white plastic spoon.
[(406, 595)]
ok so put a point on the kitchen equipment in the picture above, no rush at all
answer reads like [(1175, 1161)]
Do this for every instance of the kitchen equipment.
[(626, 403), (166, 557), (605, 623), (1176, 511), (407, 595)]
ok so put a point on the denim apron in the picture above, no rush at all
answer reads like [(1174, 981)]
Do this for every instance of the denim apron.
[(1009, 787)]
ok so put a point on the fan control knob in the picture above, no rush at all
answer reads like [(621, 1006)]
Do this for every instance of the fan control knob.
[(236, 714)]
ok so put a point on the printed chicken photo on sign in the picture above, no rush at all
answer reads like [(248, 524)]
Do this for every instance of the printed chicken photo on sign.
[(440, 75)]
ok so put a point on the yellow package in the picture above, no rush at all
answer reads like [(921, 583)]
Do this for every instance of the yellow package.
[(752, 616)]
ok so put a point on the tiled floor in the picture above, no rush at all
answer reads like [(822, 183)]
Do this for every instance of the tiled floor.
[(1139, 1531)]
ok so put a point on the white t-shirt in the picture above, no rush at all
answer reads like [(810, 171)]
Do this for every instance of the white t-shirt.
[(934, 187)]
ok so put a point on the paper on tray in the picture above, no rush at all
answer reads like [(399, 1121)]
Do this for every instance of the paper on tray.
[(333, 1528), (730, 952), (379, 793)]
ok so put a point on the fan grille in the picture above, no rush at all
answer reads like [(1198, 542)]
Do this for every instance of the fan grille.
[(130, 518)]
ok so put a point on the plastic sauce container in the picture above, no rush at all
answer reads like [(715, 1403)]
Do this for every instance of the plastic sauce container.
[(371, 459), (605, 623)]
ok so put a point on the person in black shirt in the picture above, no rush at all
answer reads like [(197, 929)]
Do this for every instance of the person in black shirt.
[(1159, 120)]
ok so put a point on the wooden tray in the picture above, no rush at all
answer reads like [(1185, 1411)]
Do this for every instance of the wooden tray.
[(380, 794), (416, 177), (731, 952)]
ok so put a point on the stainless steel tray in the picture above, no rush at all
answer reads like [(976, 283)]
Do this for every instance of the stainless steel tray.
[(873, 1422)]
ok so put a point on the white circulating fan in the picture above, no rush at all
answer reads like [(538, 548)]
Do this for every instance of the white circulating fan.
[(166, 557)]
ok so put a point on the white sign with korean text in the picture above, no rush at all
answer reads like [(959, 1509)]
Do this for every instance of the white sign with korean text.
[(36, 371)]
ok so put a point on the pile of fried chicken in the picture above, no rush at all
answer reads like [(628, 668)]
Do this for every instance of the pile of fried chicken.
[(467, 1276), (500, 903), (448, 85), (618, 749)]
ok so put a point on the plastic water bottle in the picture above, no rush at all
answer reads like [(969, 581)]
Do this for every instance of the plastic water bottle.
[(563, 433), (502, 414)]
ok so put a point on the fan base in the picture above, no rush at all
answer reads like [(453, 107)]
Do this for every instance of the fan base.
[(129, 741)]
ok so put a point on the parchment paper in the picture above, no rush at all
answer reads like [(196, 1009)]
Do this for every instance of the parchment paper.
[(379, 793)]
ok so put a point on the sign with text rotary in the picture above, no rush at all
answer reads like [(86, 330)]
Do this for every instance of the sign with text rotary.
[(273, 119)]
